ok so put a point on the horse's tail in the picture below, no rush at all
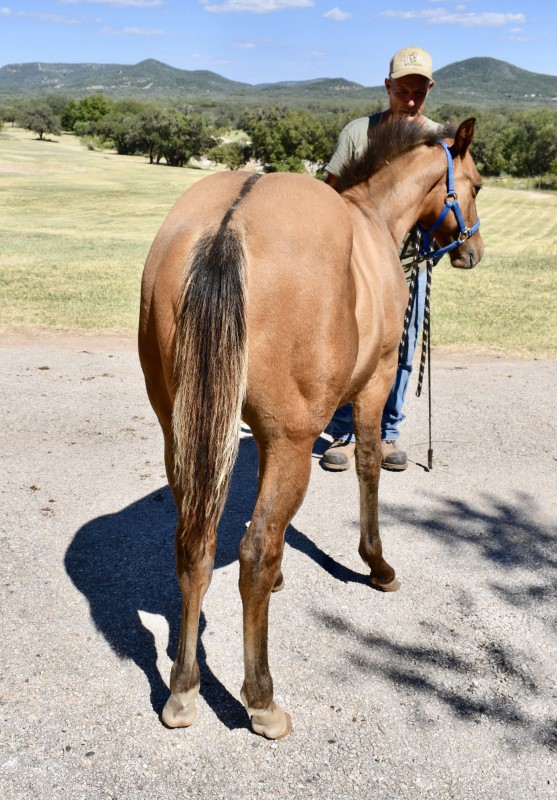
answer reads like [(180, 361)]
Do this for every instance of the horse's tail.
[(210, 371)]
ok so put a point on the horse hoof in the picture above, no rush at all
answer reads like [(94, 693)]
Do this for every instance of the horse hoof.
[(392, 586), (180, 709), (272, 722)]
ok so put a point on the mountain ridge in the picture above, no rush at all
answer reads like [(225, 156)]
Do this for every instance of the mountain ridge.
[(476, 81)]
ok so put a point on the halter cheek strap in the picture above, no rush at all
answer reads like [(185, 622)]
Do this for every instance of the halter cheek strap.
[(451, 204)]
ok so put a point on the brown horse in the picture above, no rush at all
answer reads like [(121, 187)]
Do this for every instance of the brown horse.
[(275, 299)]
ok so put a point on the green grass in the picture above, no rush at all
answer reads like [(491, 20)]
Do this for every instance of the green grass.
[(508, 303), (76, 227)]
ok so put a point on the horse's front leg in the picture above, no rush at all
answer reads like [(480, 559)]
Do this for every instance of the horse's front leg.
[(368, 407)]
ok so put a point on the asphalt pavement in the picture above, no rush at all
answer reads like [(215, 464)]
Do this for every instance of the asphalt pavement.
[(444, 689)]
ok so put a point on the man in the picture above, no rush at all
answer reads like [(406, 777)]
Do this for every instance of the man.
[(408, 85)]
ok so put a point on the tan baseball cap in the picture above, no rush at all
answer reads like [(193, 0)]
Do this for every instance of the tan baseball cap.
[(411, 61)]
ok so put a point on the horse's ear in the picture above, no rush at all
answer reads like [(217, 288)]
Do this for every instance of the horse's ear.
[(463, 138)]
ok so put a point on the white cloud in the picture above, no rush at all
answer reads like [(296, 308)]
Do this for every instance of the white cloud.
[(57, 19), (337, 15), (245, 46), (517, 36), (440, 16), (132, 32), (5, 12), (116, 3), (255, 6)]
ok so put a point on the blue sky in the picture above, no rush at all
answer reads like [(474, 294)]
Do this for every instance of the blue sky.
[(258, 41)]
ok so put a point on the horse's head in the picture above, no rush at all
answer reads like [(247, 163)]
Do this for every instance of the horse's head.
[(450, 223)]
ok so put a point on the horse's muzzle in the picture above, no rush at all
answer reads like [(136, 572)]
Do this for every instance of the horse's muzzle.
[(466, 256)]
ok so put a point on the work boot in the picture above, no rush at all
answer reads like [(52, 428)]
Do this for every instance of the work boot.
[(392, 457), (339, 455)]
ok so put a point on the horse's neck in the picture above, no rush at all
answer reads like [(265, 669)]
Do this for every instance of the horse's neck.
[(395, 195)]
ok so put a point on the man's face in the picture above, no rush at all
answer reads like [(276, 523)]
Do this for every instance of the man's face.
[(407, 95)]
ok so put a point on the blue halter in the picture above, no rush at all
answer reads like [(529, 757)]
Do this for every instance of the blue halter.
[(451, 204)]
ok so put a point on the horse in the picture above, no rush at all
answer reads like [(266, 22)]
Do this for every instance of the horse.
[(274, 299)]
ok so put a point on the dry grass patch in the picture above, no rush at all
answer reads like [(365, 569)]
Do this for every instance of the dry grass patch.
[(76, 227)]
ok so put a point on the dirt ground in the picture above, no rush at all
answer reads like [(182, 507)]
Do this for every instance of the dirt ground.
[(445, 689)]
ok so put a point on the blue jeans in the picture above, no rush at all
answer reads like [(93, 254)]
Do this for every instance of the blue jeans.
[(342, 423)]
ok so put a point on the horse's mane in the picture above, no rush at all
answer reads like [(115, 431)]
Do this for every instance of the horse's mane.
[(386, 141)]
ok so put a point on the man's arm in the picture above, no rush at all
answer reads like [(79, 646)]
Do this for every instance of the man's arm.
[(351, 142)]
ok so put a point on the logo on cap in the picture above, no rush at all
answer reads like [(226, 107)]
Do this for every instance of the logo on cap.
[(411, 61)]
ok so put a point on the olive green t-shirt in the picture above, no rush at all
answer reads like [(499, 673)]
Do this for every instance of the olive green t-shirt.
[(351, 144)]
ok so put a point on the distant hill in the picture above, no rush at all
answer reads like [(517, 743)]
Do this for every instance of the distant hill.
[(481, 82), (487, 80)]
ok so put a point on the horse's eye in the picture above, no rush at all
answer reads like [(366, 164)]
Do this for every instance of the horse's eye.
[(477, 189)]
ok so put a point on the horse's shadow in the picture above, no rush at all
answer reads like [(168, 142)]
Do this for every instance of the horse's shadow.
[(123, 563)]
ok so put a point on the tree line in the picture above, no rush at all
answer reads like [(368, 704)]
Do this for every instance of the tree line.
[(508, 141)]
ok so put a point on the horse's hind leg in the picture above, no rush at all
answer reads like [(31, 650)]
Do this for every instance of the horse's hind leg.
[(194, 567), (261, 552), (368, 407)]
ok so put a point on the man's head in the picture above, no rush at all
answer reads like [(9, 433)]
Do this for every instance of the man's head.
[(410, 81)]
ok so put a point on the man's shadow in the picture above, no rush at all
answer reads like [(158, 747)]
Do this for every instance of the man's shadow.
[(123, 563)]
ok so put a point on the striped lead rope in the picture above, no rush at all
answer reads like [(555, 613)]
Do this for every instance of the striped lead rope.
[(426, 328), (426, 353), (426, 339), (412, 290)]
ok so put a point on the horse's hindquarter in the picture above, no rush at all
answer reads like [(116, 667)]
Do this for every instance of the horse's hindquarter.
[(302, 335), (302, 332), (201, 207)]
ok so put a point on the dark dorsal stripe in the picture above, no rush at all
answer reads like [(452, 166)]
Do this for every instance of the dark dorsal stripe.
[(245, 190)]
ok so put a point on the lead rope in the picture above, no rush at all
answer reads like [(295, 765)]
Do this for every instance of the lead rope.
[(426, 339), (412, 287), (426, 355), (426, 328)]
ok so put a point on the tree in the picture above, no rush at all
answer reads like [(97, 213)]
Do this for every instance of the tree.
[(232, 154), (285, 140), (531, 144), (89, 109), (174, 136), (40, 119), (167, 134), (57, 102), (154, 128), (10, 114), (489, 142), (122, 130), (187, 137)]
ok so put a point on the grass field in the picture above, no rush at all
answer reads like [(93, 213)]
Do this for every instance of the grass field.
[(76, 227)]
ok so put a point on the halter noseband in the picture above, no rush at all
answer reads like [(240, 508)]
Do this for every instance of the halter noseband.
[(451, 204)]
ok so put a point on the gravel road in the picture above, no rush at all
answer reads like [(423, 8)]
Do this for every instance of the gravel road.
[(445, 689)]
